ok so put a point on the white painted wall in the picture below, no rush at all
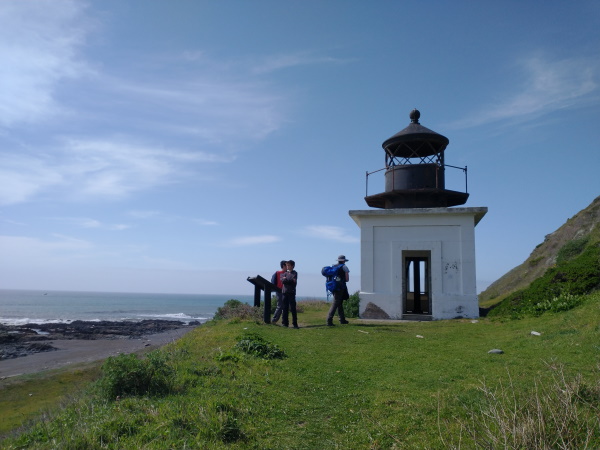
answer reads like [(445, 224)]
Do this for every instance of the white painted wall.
[(448, 233)]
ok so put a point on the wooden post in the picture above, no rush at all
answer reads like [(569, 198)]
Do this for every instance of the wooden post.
[(267, 311), (260, 284), (256, 295)]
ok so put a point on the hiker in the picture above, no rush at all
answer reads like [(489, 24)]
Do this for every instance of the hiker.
[(276, 280), (341, 292), (289, 279)]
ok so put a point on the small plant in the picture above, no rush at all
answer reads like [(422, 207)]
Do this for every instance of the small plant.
[(227, 356), (562, 302), (255, 345), (351, 306), (128, 375)]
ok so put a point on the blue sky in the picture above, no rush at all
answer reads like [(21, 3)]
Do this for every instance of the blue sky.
[(182, 146)]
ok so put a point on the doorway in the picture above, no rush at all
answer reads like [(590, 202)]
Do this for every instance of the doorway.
[(416, 282)]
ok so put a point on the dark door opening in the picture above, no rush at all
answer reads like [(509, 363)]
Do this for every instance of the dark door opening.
[(416, 282)]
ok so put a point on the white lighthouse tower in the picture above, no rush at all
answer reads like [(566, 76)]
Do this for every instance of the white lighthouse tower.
[(418, 247)]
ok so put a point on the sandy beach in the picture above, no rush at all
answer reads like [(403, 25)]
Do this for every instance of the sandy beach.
[(74, 351)]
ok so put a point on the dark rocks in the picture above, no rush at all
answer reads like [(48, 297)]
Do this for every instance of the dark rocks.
[(372, 311), (23, 340)]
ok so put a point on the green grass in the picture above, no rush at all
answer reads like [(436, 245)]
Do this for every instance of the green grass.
[(22, 398), (364, 385)]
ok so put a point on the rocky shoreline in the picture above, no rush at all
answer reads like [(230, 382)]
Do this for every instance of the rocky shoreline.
[(24, 340)]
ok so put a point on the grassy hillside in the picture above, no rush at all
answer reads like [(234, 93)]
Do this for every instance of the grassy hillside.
[(579, 232), (241, 384), (562, 287)]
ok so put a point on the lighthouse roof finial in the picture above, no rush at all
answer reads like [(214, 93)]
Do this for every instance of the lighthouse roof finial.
[(414, 116)]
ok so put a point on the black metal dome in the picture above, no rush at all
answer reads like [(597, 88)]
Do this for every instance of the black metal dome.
[(415, 140)]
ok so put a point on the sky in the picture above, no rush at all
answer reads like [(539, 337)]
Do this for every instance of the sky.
[(183, 146)]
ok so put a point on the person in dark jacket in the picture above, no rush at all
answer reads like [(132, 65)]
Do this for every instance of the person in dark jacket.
[(289, 279), (341, 293), (276, 280)]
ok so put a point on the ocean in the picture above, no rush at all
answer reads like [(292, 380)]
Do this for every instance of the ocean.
[(20, 306)]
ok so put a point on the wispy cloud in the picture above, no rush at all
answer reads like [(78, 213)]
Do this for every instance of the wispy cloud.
[(108, 169), (205, 222), (209, 106), (272, 63), (136, 128), (243, 241), (140, 214), (549, 85), (330, 233), (86, 222), (25, 176), (39, 46)]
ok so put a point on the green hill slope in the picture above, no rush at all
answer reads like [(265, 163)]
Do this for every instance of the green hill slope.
[(579, 233)]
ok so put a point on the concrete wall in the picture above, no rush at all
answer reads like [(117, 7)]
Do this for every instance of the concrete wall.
[(448, 233)]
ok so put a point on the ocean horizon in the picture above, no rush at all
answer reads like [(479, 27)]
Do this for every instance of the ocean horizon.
[(18, 307)]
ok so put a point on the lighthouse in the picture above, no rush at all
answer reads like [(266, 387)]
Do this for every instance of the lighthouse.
[(417, 241)]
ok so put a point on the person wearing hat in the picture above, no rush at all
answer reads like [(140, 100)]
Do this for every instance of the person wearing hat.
[(341, 294), (289, 279)]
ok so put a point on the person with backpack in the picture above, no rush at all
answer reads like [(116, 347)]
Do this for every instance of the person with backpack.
[(289, 279), (276, 280), (340, 293)]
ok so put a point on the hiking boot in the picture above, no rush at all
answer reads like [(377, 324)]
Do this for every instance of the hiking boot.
[(344, 322)]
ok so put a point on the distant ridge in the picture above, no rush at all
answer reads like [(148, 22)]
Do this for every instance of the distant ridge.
[(586, 223)]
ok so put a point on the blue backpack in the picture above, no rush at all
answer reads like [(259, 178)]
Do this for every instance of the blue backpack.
[(333, 281)]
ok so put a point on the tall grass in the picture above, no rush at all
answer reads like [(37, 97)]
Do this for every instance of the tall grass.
[(558, 413)]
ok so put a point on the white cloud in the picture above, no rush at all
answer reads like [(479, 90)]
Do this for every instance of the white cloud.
[(252, 240), (205, 222), (330, 233), (549, 86), (87, 169), (39, 44), (283, 61), (123, 120), (139, 214), (24, 176), (210, 106), (85, 222)]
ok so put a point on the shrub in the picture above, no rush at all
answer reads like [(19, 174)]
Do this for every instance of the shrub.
[(253, 344), (128, 375), (235, 309), (571, 249), (351, 306)]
